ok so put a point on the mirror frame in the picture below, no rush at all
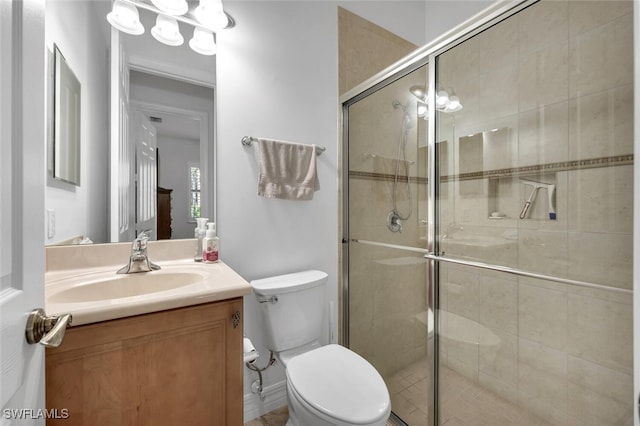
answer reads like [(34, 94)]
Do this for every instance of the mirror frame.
[(66, 122)]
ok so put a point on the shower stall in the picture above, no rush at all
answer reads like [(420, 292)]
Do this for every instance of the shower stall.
[(488, 220)]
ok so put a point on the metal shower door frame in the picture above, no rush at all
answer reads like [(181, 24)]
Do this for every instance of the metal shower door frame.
[(426, 55)]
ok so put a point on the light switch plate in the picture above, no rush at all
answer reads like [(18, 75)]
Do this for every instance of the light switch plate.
[(51, 223)]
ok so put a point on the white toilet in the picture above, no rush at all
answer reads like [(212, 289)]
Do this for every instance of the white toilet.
[(326, 385)]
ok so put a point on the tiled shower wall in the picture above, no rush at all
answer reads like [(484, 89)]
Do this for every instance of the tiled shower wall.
[(386, 290), (387, 287), (547, 96)]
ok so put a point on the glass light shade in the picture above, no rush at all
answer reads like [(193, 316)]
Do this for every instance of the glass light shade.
[(422, 110), (167, 31), (172, 7), (202, 42), (419, 92), (454, 104), (442, 99), (211, 14), (125, 17)]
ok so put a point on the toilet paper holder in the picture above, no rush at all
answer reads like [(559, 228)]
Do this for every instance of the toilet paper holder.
[(250, 357)]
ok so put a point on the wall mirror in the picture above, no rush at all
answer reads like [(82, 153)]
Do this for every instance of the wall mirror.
[(66, 121), (167, 91)]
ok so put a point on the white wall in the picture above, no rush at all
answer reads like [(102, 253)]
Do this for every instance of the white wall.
[(175, 156), (81, 210), (277, 78)]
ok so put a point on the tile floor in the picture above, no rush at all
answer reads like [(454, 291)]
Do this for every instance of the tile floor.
[(462, 402), (276, 418)]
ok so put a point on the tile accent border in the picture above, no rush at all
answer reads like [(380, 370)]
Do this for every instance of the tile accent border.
[(574, 165)]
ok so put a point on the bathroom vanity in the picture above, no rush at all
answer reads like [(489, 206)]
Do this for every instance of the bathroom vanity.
[(169, 355)]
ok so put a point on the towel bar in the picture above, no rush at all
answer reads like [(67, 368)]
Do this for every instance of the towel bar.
[(248, 140)]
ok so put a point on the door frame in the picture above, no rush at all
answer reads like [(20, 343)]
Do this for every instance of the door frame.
[(22, 288)]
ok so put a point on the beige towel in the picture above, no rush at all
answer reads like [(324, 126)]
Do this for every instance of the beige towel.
[(287, 170)]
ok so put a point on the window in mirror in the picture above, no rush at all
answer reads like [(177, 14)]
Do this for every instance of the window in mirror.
[(194, 191)]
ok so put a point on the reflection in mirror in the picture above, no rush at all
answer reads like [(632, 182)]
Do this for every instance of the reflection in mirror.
[(85, 213), (66, 142), (179, 113)]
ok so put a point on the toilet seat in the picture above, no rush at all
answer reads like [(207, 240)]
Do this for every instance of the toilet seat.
[(339, 386)]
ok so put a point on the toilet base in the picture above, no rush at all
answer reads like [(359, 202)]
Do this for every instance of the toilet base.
[(301, 415)]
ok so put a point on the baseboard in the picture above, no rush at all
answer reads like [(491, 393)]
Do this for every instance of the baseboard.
[(275, 396)]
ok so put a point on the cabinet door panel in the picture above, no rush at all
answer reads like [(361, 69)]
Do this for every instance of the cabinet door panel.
[(175, 367)]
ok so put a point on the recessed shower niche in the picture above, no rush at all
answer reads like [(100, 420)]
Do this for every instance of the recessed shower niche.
[(525, 197)]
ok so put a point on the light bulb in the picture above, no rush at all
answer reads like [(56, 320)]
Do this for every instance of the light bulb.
[(211, 14), (442, 99), (454, 104), (167, 31), (125, 17), (203, 42)]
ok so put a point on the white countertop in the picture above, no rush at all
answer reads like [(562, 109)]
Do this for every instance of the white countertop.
[(208, 282)]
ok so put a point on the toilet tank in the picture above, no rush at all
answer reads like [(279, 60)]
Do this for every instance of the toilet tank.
[(292, 308)]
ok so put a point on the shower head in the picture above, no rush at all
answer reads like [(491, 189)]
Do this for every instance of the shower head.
[(408, 119)]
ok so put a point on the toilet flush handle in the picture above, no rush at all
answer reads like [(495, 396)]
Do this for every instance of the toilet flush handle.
[(272, 299)]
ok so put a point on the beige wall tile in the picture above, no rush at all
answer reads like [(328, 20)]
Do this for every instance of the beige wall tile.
[(605, 259), (601, 59), (462, 292), (542, 25), (590, 408), (365, 49), (498, 302), (544, 76), (542, 316), (587, 15), (601, 200), (500, 360), (543, 135), (614, 384), (601, 331), (544, 252), (601, 124)]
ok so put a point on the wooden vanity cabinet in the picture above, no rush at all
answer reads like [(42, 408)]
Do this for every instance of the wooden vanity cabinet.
[(175, 367)]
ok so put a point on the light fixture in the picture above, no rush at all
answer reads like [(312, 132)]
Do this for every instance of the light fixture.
[(207, 18), (454, 104), (442, 98), (124, 17), (419, 92), (202, 42), (211, 14), (172, 7), (167, 31), (445, 101)]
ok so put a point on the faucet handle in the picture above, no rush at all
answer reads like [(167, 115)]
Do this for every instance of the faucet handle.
[(144, 235)]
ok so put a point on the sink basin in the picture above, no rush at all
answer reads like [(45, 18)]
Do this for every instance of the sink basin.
[(109, 286)]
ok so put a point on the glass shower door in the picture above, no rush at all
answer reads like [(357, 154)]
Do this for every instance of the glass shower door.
[(534, 206), (387, 273)]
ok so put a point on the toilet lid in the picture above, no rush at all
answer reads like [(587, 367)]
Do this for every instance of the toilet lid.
[(340, 384)]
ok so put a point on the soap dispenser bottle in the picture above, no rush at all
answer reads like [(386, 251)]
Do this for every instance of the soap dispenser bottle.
[(211, 245), (200, 234)]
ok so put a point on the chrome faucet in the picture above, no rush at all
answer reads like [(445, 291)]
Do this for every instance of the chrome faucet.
[(139, 261)]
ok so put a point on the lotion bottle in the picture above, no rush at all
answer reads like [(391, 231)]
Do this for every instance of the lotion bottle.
[(200, 233), (211, 245)]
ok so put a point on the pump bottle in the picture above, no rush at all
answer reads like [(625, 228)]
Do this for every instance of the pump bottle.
[(200, 233), (211, 244)]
